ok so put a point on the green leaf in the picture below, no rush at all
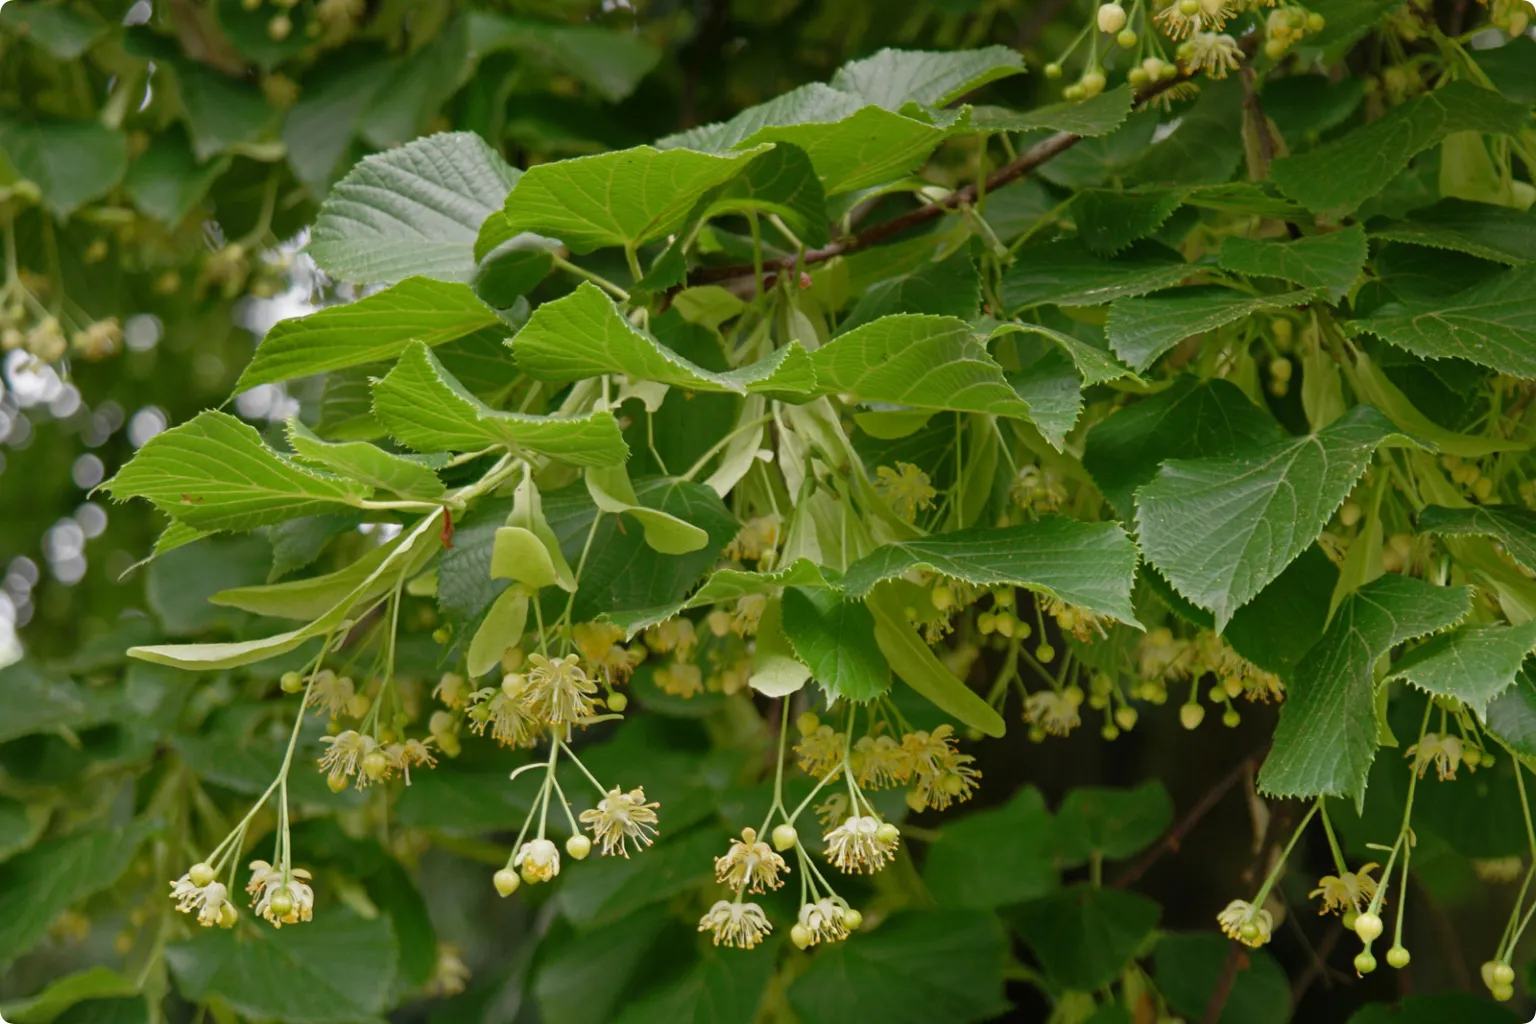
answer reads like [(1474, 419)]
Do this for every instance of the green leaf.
[(583, 335), (400, 562), (610, 62), (215, 473), (1473, 664), (337, 969), (1085, 935), (1492, 324), (21, 825), (68, 991), (364, 462), (1484, 230), (1331, 261), (71, 162), (35, 886), (613, 493), (422, 83), (926, 362), (1089, 118), (811, 103), (425, 408), (1109, 221), (1509, 68), (1065, 273), (893, 78), (1278, 627), (519, 555), (500, 631), (167, 181), (1191, 419), (320, 128), (777, 670), (411, 211), (723, 987), (1338, 176), (947, 287), (1512, 715), (782, 181), (1049, 382), (917, 665), (38, 701), (1513, 527), (313, 597), (1094, 365), (1143, 329), (65, 32), (889, 974), (373, 329), (995, 857), (1372, 386), (625, 198), (1112, 823), (726, 585), (1091, 565), (1187, 967), (1220, 528), (1327, 735), (835, 638)]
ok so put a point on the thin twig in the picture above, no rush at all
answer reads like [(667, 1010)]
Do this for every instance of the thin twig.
[(1237, 959), (1175, 835)]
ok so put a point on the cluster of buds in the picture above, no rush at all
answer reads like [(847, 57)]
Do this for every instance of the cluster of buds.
[(1286, 26), (25, 326), (927, 762)]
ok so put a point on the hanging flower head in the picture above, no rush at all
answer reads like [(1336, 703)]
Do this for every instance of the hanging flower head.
[(1351, 890), (862, 843), (559, 692), (1241, 921), (736, 924), (620, 818), (750, 864), (199, 892)]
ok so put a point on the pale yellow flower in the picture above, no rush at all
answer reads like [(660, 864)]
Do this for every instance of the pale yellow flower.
[(1242, 922), (559, 692), (820, 750), (209, 901), (1054, 712), (879, 761), (1211, 52), (504, 714), (738, 925), (620, 817), (277, 901), (673, 635), (538, 860), (1351, 890), (344, 755), (330, 693), (823, 921), (941, 775), (1444, 752), (862, 843), (680, 679), (750, 864), (906, 489)]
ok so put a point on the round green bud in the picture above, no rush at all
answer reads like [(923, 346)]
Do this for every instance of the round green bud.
[(1504, 993), (801, 936), (1368, 927), (1189, 8), (1364, 962), (337, 783), (1092, 83), (291, 682), (281, 903), (442, 634), (1191, 715), (617, 702), (887, 833), (201, 874), (1316, 23), (852, 919), (1045, 653), (506, 881), (1053, 70), (1125, 718), (1503, 974), (1231, 718), (1112, 18), (578, 846), (1127, 39), (1350, 917), (785, 837), (1398, 957), (1074, 92), (1110, 732), (1250, 932), (375, 765)]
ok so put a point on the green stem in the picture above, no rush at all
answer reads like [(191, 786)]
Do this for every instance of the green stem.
[(597, 279), (721, 444)]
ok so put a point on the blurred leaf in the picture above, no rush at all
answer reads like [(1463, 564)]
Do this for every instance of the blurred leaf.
[(590, 977), (723, 987), (994, 857), (21, 824), (53, 876), (222, 112), (319, 130), (71, 162), (1187, 968), (1461, 1007), (337, 969), (1483, 230), (1085, 935), (180, 582), (65, 32), (611, 63), (168, 181), (918, 967), (66, 992), (893, 78), (1113, 823), (417, 90), (611, 888)]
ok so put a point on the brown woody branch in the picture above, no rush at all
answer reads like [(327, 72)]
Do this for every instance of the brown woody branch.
[(1025, 163), (1175, 836)]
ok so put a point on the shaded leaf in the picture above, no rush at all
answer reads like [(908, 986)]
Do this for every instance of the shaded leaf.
[(1109, 221), (1188, 966), (1331, 261), (1143, 329), (917, 665), (1327, 736), (71, 162), (1473, 664), (994, 857), (835, 638), (1112, 823), (1065, 273), (893, 78), (1483, 230), (1086, 935), (1513, 527), (1092, 117), (35, 886), (1492, 324)]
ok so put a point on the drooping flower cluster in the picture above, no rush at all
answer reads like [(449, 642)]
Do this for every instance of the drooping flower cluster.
[(928, 762)]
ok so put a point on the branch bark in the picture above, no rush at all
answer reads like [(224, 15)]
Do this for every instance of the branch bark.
[(1175, 835)]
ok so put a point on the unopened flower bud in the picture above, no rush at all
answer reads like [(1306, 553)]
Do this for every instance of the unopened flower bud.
[(1112, 18), (1368, 927), (200, 874), (506, 882), (1053, 70), (1364, 962), (800, 935), (578, 846), (375, 764), (852, 919), (784, 837), (1191, 715), (1398, 957), (291, 682), (887, 833), (617, 702), (1127, 39)]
